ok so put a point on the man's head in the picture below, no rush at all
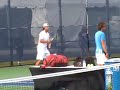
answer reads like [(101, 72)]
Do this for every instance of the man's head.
[(102, 26), (45, 27)]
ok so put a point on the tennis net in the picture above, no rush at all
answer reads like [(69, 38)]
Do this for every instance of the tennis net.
[(14, 84)]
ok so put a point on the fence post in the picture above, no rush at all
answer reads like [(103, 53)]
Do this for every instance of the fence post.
[(87, 26), (108, 32), (10, 42), (60, 28)]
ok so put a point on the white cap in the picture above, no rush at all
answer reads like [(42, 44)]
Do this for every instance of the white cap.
[(45, 25)]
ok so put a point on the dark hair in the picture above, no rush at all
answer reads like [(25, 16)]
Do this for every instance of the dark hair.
[(78, 61), (101, 25), (90, 60)]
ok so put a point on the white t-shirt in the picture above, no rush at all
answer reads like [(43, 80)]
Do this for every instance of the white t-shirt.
[(45, 36)]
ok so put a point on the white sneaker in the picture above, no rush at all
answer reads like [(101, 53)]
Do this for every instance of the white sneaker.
[(19, 63)]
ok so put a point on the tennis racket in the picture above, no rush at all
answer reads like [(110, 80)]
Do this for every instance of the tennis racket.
[(52, 38)]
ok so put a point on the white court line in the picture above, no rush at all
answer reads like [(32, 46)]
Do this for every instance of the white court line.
[(71, 66)]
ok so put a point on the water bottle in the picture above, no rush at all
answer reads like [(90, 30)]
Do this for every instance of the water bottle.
[(108, 79)]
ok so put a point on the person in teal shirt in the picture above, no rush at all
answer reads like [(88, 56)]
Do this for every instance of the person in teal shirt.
[(101, 52)]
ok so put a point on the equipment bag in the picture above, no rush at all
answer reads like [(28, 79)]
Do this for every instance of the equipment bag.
[(56, 60)]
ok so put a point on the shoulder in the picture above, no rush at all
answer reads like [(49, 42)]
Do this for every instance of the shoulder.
[(42, 32), (100, 33), (96, 33)]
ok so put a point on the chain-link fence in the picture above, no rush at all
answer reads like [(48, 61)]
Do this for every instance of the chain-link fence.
[(74, 22)]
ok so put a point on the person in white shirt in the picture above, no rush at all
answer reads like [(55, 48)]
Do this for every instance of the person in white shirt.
[(43, 42)]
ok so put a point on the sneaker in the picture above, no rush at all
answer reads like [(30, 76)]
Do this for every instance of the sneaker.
[(20, 63)]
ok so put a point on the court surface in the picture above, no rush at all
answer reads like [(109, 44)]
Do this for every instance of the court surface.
[(14, 72)]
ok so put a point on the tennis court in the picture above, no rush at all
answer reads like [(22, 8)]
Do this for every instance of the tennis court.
[(16, 72), (73, 24)]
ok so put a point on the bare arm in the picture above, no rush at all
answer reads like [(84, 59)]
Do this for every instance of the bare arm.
[(44, 41), (105, 48)]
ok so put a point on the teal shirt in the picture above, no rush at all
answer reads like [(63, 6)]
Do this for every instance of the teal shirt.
[(99, 36)]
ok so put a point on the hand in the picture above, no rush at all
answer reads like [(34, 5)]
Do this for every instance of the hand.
[(49, 45), (106, 55), (48, 41)]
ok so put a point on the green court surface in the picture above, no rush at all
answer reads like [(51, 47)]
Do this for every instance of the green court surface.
[(14, 72)]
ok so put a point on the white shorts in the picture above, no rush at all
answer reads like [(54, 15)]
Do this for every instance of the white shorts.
[(42, 52), (101, 58)]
